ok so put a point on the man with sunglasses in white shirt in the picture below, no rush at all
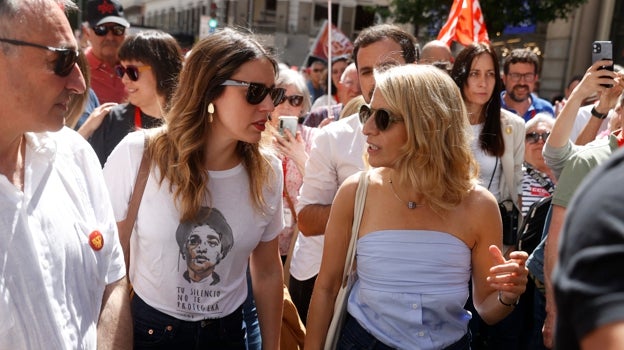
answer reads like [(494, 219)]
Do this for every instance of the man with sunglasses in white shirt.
[(62, 272), (106, 30)]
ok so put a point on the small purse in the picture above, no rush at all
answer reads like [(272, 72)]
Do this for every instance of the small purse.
[(349, 274)]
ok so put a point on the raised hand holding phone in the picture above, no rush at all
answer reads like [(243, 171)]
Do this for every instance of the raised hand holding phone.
[(603, 50), (288, 122)]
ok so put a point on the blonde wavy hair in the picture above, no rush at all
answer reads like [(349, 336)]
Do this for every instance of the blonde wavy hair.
[(178, 147), (436, 159)]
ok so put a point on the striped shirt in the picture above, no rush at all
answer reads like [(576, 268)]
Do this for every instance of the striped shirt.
[(532, 189)]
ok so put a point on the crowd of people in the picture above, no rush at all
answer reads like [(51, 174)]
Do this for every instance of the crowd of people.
[(456, 148)]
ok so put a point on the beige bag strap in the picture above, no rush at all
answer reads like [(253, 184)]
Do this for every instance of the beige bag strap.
[(293, 239), (125, 226), (358, 209)]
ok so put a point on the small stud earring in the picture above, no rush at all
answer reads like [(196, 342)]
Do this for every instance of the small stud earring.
[(210, 112)]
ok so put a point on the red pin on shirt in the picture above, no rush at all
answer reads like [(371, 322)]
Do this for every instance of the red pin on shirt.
[(96, 240)]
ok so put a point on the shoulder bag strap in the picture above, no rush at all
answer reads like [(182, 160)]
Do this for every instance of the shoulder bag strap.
[(493, 172), (125, 226), (360, 200), (547, 185), (293, 239)]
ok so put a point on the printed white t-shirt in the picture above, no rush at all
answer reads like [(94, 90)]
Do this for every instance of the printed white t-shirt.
[(158, 269)]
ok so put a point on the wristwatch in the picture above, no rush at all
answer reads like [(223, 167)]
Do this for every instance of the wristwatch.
[(597, 114)]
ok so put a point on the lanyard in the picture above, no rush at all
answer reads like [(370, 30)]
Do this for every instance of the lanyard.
[(138, 125)]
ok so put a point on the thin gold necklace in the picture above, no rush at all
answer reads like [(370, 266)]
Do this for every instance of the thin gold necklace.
[(410, 204)]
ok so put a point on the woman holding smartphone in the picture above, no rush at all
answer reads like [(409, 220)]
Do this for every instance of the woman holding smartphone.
[(292, 147)]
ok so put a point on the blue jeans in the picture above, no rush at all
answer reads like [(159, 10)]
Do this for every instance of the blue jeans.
[(355, 337), (250, 315), (536, 340), (156, 330)]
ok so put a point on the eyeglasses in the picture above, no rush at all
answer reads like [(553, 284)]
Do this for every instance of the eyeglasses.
[(534, 137), (383, 118), (515, 77), (65, 61), (101, 30), (256, 92), (131, 70), (294, 100)]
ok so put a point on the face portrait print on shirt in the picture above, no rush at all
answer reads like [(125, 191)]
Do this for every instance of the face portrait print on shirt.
[(203, 244)]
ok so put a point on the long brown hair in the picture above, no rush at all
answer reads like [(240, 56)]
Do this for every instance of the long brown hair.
[(178, 147)]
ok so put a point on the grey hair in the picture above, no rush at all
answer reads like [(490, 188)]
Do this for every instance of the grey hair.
[(291, 77), (12, 10), (541, 117)]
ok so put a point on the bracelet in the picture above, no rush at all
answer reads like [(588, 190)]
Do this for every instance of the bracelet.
[(597, 114), (500, 299)]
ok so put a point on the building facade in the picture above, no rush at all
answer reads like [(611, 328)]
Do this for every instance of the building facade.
[(289, 27)]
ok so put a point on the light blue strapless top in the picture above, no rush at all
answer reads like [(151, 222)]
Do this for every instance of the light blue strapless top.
[(412, 287)]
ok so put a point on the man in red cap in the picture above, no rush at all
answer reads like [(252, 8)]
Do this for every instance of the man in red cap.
[(106, 30)]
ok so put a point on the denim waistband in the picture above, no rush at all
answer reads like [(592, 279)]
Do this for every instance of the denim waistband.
[(235, 317)]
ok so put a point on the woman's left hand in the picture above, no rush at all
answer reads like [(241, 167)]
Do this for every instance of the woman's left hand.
[(293, 147), (508, 276)]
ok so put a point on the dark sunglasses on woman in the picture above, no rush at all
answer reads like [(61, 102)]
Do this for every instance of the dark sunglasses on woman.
[(65, 61), (256, 92), (382, 118), (131, 70), (534, 137), (294, 100), (101, 30)]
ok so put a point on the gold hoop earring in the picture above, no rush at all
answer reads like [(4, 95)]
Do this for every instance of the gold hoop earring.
[(210, 112)]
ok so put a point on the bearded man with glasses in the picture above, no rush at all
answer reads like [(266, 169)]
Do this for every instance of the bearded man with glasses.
[(521, 72), (62, 284), (106, 30)]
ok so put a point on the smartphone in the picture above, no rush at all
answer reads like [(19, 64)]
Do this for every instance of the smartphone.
[(603, 50), (288, 122)]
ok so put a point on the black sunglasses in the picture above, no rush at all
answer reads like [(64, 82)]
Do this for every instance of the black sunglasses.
[(534, 137), (383, 118), (132, 71), (256, 92), (101, 30), (294, 100), (65, 61)]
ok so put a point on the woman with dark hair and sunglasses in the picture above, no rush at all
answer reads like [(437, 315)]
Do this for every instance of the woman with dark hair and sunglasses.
[(207, 154), (423, 233), (498, 147), (292, 149), (149, 65)]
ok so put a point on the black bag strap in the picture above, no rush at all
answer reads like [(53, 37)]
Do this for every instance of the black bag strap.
[(493, 172), (546, 184)]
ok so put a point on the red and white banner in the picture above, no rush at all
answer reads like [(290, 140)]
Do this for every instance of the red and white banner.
[(341, 45), (465, 24)]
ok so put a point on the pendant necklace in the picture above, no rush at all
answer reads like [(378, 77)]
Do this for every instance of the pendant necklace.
[(410, 204)]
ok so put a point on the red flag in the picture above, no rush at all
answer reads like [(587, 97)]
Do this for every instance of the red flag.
[(341, 45), (465, 24)]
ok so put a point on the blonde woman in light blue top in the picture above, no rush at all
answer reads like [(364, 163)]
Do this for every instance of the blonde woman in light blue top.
[(426, 230)]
